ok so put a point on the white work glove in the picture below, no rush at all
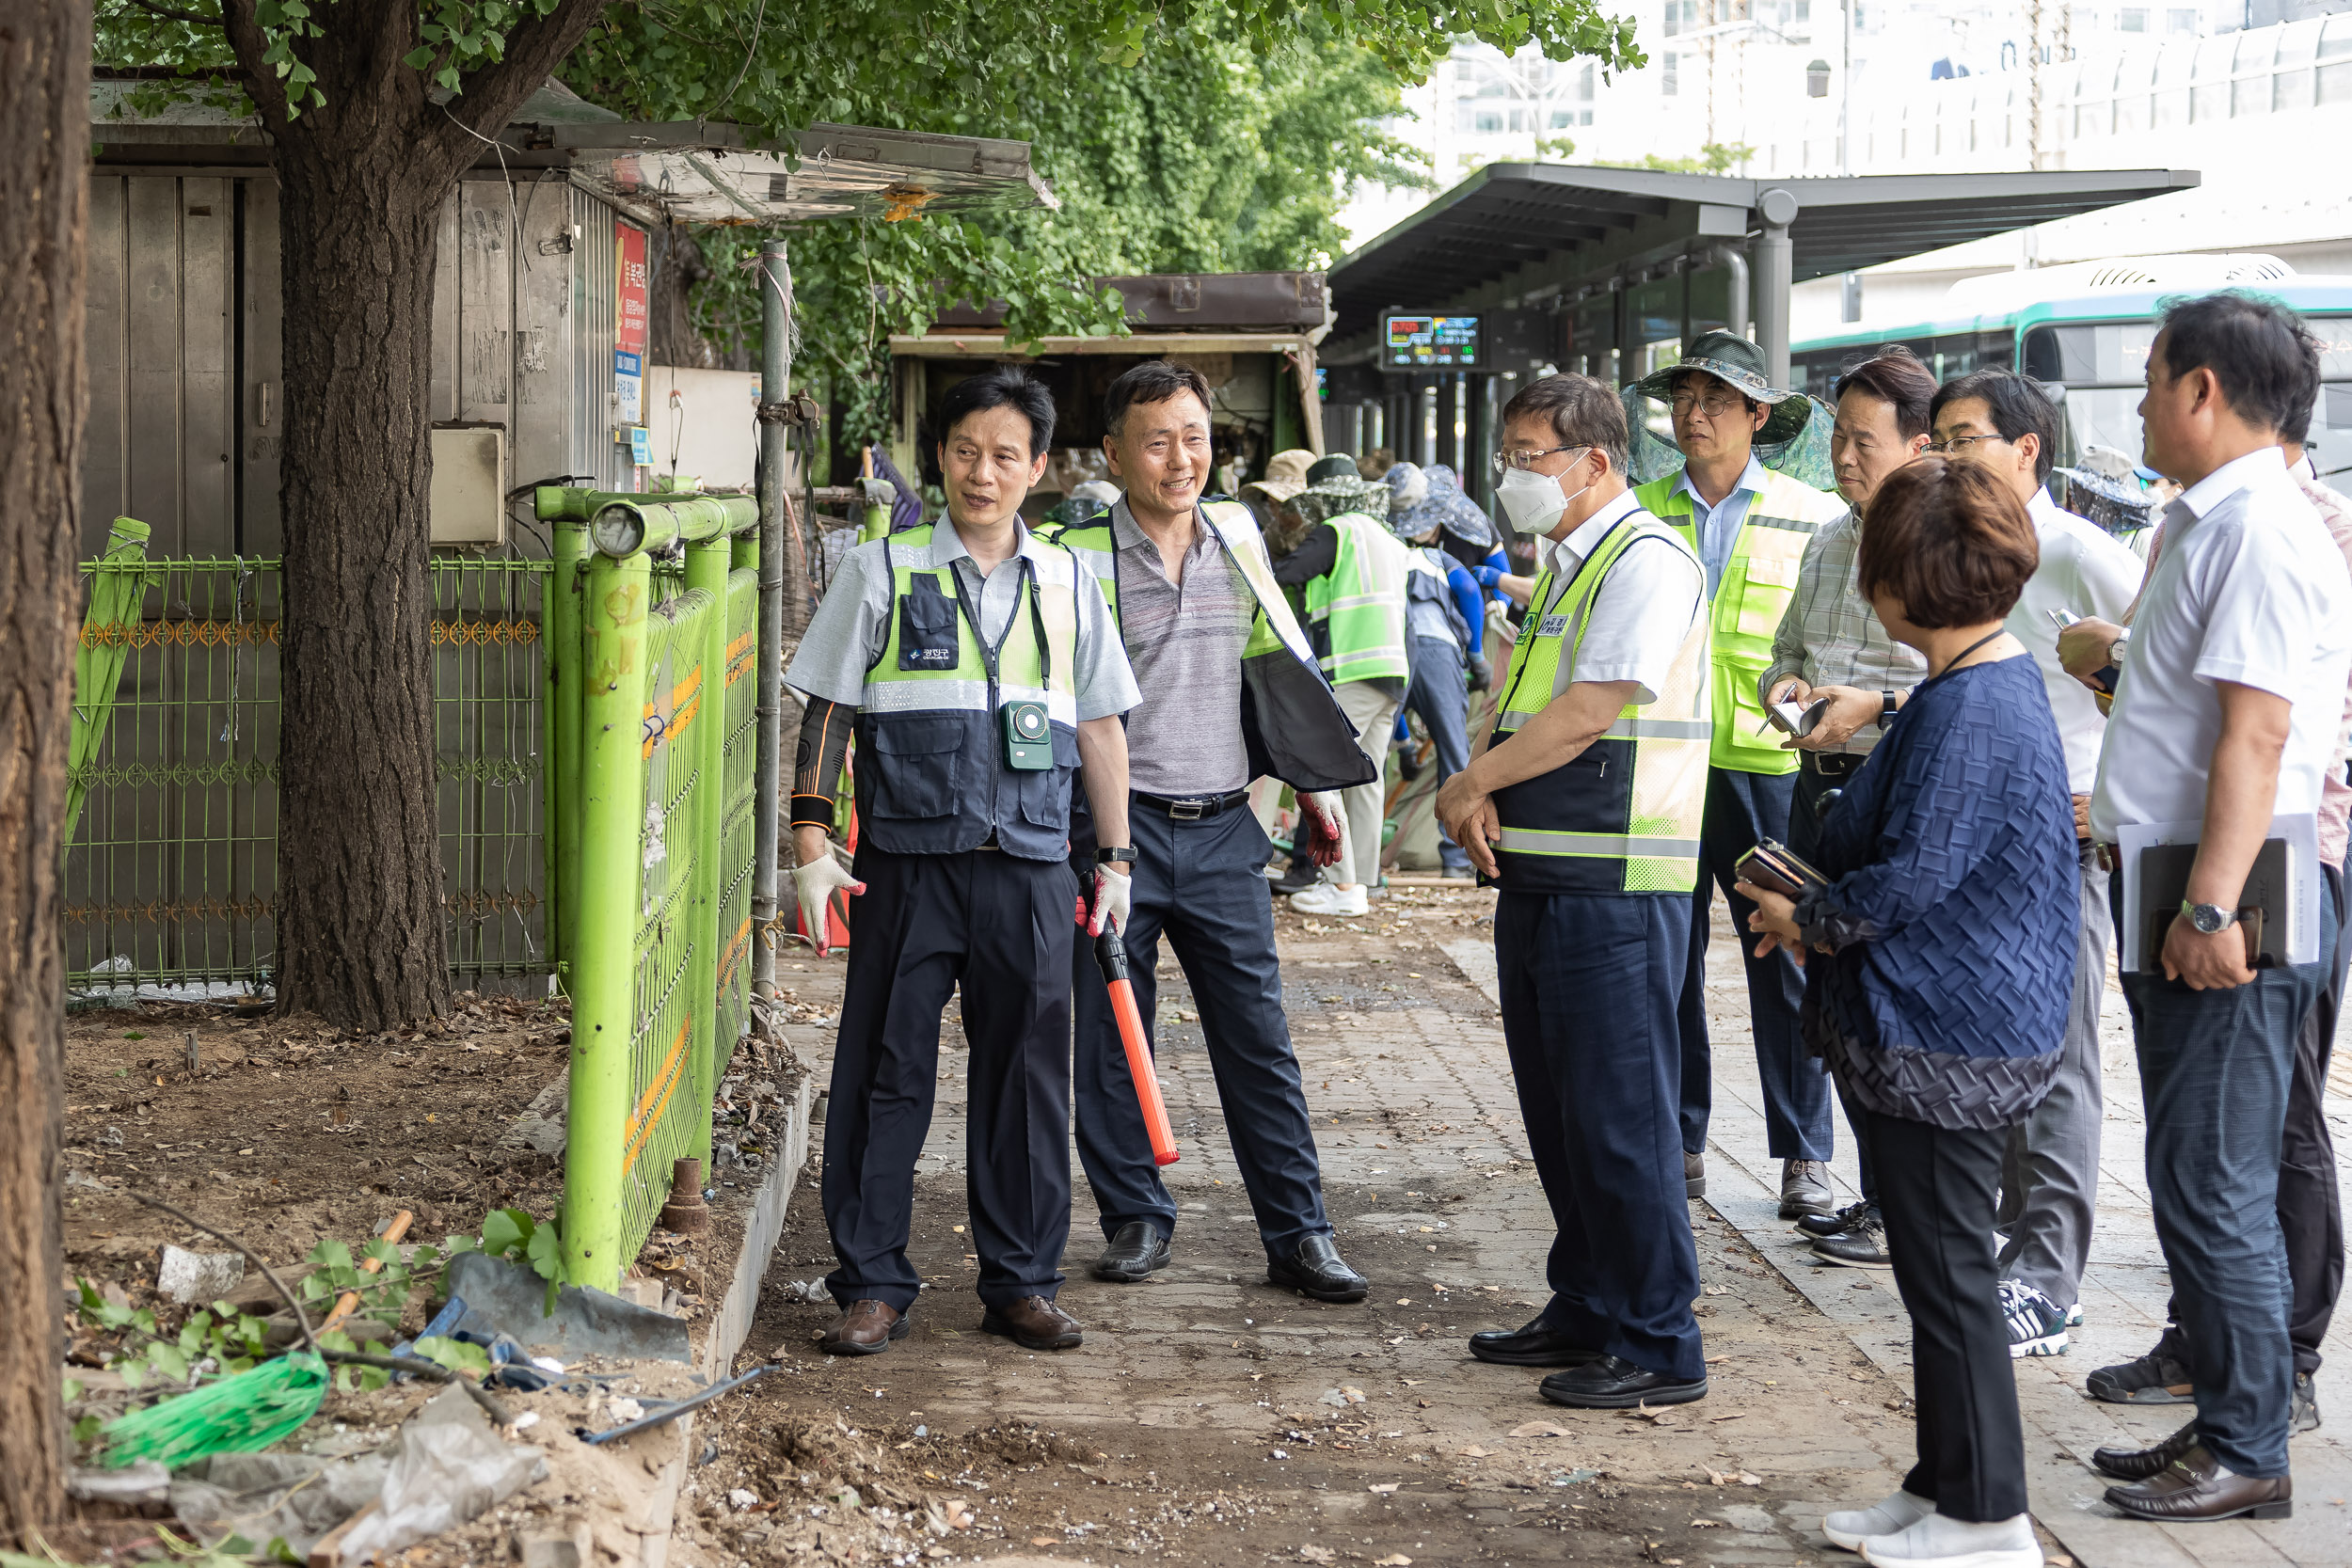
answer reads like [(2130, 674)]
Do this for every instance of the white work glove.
[(1325, 828), (1112, 893), (816, 883)]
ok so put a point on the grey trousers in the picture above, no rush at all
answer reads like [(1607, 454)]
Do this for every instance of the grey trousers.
[(1365, 806), (2050, 1169)]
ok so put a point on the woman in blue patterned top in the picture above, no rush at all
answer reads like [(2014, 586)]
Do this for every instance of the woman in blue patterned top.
[(1943, 952)]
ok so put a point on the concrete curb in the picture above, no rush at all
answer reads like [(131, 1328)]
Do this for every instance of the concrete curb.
[(731, 1325)]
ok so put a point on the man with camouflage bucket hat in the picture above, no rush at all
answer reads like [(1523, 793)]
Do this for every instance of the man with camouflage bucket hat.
[(1748, 525), (1352, 571)]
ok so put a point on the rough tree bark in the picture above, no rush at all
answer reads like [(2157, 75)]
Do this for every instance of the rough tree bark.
[(44, 216), (359, 921)]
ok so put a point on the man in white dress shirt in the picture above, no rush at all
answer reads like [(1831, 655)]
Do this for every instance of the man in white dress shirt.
[(2001, 421), (1584, 804), (2226, 713)]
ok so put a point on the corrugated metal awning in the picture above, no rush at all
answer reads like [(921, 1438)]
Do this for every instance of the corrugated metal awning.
[(691, 171)]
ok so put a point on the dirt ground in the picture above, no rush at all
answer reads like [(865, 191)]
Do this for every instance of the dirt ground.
[(1213, 1419)]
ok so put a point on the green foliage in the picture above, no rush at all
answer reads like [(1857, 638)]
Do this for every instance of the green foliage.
[(215, 1341), (1713, 158), (1196, 135), (1557, 149)]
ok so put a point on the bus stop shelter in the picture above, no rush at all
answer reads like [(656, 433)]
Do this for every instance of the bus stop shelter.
[(1609, 271)]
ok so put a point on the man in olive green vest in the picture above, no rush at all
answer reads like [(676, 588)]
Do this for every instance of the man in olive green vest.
[(1748, 525)]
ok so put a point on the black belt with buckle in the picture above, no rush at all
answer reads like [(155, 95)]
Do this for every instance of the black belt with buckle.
[(1829, 765), (1193, 808)]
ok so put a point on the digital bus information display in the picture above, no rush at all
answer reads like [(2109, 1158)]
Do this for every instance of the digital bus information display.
[(1431, 343)]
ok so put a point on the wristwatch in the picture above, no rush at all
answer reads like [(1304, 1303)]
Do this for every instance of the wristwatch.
[(2209, 918), (1887, 708), (1107, 856)]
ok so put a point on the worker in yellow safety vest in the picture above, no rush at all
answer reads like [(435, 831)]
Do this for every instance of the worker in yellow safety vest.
[(1748, 524)]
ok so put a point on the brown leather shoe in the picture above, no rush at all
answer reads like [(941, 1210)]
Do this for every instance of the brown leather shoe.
[(865, 1328), (2139, 1464), (2197, 1488), (1034, 1322)]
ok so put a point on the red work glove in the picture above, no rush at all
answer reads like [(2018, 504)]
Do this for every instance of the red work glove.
[(1322, 827)]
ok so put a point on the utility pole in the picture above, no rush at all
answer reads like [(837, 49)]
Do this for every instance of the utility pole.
[(1845, 88), (2033, 83)]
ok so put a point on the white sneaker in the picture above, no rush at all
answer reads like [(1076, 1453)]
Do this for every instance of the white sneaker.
[(1939, 1541), (1324, 898), (1849, 1528)]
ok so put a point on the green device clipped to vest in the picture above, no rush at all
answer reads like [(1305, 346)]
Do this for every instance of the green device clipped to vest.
[(1028, 738)]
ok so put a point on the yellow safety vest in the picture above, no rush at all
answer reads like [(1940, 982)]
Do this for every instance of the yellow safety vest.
[(1623, 814), (1759, 578)]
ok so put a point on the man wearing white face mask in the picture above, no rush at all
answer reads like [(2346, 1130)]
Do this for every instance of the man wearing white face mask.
[(1584, 805)]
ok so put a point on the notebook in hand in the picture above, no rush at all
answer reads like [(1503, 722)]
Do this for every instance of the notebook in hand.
[(2262, 905)]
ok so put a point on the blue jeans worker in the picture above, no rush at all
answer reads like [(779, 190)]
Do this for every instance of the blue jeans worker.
[(1230, 691), (1605, 705), (1445, 621), (978, 668)]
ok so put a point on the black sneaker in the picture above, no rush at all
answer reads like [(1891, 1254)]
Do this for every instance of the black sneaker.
[(2306, 1418), (2156, 1378), (1861, 1245), (2036, 1324), (1298, 880), (1817, 1226)]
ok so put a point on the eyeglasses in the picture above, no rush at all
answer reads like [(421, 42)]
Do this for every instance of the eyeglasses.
[(1715, 405), (1960, 442), (1523, 458)]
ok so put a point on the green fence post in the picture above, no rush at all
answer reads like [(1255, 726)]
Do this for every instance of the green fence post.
[(118, 593), (603, 966), (560, 625), (707, 568)]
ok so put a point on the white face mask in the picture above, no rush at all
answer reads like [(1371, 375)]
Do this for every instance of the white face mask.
[(1532, 501)]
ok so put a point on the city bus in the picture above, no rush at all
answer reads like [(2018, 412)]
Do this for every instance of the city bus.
[(2086, 328)]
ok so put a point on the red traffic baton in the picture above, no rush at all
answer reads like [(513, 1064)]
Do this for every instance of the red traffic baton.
[(1111, 953)]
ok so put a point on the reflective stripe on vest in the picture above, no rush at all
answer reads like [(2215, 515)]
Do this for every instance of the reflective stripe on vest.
[(1759, 578), (1360, 602), (1623, 816)]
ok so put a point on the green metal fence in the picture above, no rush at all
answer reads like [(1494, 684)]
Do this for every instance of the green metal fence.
[(171, 870), (656, 903)]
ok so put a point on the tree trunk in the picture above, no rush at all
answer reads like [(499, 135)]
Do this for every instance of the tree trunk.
[(361, 176), (361, 934), (44, 216)]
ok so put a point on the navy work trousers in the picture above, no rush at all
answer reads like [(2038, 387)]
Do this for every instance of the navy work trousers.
[(1439, 692), (1588, 984), (1002, 926), (1199, 884), (2215, 1070), (1743, 809)]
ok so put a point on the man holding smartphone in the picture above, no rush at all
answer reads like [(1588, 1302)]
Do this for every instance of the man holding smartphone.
[(2003, 423)]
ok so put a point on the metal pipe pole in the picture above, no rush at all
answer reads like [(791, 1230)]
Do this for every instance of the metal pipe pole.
[(1775, 274), (775, 370), (611, 806)]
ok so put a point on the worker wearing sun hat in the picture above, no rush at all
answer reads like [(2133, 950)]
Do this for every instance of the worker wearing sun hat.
[(1748, 525), (1352, 571)]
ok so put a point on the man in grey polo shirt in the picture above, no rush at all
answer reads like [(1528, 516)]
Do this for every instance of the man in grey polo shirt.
[(1230, 691)]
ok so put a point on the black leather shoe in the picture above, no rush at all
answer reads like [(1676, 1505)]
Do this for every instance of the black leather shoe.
[(2197, 1488), (1298, 880), (2139, 1464), (1814, 1226), (1606, 1383), (1532, 1346), (1135, 1251), (1314, 1267)]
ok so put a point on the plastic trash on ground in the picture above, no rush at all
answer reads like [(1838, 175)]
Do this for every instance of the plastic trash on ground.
[(261, 1497), (447, 1467)]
